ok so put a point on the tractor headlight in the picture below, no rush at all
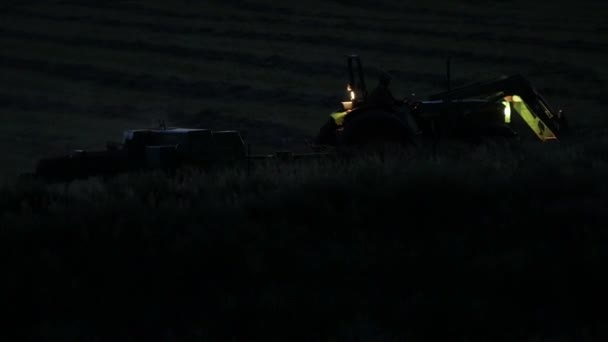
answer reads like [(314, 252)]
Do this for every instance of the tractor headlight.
[(351, 92), (507, 111)]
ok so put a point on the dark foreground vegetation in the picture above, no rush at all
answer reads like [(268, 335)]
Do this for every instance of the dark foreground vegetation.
[(484, 244), (474, 245)]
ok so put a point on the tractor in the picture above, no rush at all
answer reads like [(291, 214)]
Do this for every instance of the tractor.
[(470, 113)]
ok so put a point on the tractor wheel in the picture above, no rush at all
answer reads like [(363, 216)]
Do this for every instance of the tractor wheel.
[(375, 128), (327, 134)]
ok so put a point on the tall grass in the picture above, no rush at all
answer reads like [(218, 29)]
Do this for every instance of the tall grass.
[(479, 245)]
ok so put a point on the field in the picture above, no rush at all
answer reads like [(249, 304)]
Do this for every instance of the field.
[(75, 74), (471, 244)]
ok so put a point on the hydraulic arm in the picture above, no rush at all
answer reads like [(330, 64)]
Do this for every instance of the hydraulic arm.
[(521, 97)]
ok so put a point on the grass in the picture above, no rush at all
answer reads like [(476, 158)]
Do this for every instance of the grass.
[(470, 243), (475, 243)]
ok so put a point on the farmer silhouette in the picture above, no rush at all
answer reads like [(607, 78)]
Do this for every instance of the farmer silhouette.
[(382, 95)]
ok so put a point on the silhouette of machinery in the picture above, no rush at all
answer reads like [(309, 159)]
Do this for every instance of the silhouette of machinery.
[(470, 113), (147, 149)]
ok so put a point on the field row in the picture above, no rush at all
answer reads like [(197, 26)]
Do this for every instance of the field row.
[(54, 47), (316, 32), (189, 23), (510, 17), (299, 53)]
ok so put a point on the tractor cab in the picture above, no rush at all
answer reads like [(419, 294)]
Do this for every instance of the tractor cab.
[(360, 121), (357, 98)]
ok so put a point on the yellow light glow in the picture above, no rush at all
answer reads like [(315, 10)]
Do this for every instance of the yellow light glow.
[(507, 111), (339, 117), (352, 93)]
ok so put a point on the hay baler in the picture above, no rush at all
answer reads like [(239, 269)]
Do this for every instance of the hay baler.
[(147, 149)]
